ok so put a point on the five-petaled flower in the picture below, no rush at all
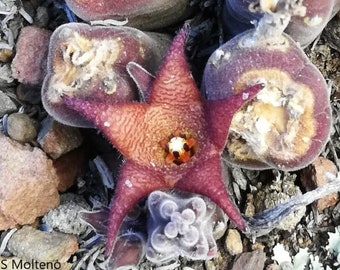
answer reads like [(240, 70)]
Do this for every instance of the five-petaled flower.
[(172, 141)]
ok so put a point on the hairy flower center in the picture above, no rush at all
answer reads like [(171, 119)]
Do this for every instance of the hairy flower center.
[(178, 148)]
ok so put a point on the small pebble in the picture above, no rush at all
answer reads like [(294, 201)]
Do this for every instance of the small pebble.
[(313, 176), (42, 17), (69, 167), (6, 78), (32, 244), (250, 207), (30, 61), (233, 242), (5, 55), (250, 261), (257, 245), (6, 104), (65, 218), (209, 265), (57, 139), (21, 127)]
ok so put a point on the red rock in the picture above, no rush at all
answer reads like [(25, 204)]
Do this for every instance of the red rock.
[(29, 63), (28, 183), (57, 139), (313, 176), (250, 260), (69, 167)]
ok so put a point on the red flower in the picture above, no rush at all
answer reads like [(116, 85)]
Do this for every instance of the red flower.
[(174, 141)]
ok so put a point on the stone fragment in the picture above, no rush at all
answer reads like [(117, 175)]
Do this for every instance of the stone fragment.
[(29, 63), (57, 139), (27, 183), (233, 242), (314, 176), (6, 104), (69, 167), (250, 207), (209, 265), (257, 245), (31, 244), (21, 127), (42, 17), (65, 218), (5, 55), (250, 260), (6, 78)]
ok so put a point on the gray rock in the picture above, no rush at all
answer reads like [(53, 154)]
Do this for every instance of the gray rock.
[(65, 218), (21, 127), (31, 244), (6, 104), (6, 78), (42, 17)]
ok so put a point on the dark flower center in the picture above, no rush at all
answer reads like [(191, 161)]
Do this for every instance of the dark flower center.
[(178, 148)]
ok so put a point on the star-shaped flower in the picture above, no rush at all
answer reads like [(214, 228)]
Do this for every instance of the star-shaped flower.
[(173, 141)]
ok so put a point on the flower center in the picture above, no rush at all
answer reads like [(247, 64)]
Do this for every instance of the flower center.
[(178, 148)]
